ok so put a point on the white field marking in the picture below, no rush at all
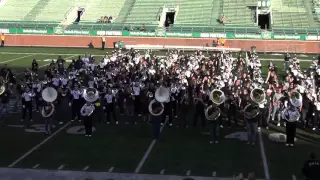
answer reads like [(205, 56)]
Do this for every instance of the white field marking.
[(61, 167), (214, 173), (146, 154), (188, 173), (262, 59), (111, 169), (37, 146), (85, 168), (264, 157), (15, 59), (162, 171), (36, 166), (294, 177)]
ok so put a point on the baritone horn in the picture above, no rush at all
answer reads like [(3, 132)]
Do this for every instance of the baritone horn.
[(49, 95), (213, 111), (156, 106), (257, 97)]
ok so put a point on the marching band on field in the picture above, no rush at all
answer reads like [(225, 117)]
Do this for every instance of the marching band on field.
[(220, 90)]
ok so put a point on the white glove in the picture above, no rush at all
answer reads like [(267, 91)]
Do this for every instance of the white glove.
[(69, 103), (23, 106), (104, 108)]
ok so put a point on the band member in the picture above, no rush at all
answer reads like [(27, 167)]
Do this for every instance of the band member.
[(292, 115), (214, 126), (27, 103), (311, 168), (109, 106), (129, 106), (62, 104), (35, 66), (184, 109), (37, 88), (252, 121), (47, 113), (103, 42), (276, 105), (136, 92), (86, 112), (156, 120), (75, 102), (199, 110)]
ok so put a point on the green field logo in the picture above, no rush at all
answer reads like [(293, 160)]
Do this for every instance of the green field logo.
[(266, 35), (58, 30)]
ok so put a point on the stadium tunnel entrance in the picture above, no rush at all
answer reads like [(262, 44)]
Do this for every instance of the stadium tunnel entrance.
[(264, 21), (169, 18)]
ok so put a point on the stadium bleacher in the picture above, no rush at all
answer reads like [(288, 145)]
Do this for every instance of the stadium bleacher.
[(238, 11), (191, 16)]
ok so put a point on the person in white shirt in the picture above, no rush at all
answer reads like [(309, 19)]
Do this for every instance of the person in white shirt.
[(75, 102), (26, 98), (109, 106), (86, 112)]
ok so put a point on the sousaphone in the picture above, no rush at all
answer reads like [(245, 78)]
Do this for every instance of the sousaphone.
[(213, 111), (295, 99), (49, 95), (91, 94), (257, 97), (156, 106)]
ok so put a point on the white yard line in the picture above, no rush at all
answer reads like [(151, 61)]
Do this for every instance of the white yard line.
[(262, 59), (3, 62), (37, 146), (85, 168), (214, 174), (162, 171), (36, 166), (61, 167), (111, 169), (264, 157), (146, 154), (188, 173)]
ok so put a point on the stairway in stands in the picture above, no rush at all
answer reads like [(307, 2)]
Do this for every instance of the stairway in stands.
[(35, 11)]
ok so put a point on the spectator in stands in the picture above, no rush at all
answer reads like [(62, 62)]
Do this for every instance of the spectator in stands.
[(223, 19), (143, 28), (2, 40), (110, 19)]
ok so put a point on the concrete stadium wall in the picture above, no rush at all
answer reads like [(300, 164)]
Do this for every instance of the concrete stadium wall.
[(84, 41)]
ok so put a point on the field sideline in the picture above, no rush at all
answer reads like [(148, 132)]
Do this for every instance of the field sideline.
[(128, 152)]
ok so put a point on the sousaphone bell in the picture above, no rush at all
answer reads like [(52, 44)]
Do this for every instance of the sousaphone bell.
[(213, 111), (257, 97), (49, 95), (156, 106)]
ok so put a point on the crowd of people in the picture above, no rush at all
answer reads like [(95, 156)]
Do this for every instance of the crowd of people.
[(128, 80), (105, 19)]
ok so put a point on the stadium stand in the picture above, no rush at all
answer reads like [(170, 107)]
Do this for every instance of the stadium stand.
[(16, 9), (98, 8), (239, 11), (292, 13)]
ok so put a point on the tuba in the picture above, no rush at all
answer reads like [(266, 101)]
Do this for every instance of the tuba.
[(156, 106), (213, 111), (90, 95), (2, 89), (49, 95), (257, 97)]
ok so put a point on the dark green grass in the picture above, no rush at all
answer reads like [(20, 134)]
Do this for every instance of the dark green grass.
[(285, 161), (15, 141), (119, 146), (183, 149)]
